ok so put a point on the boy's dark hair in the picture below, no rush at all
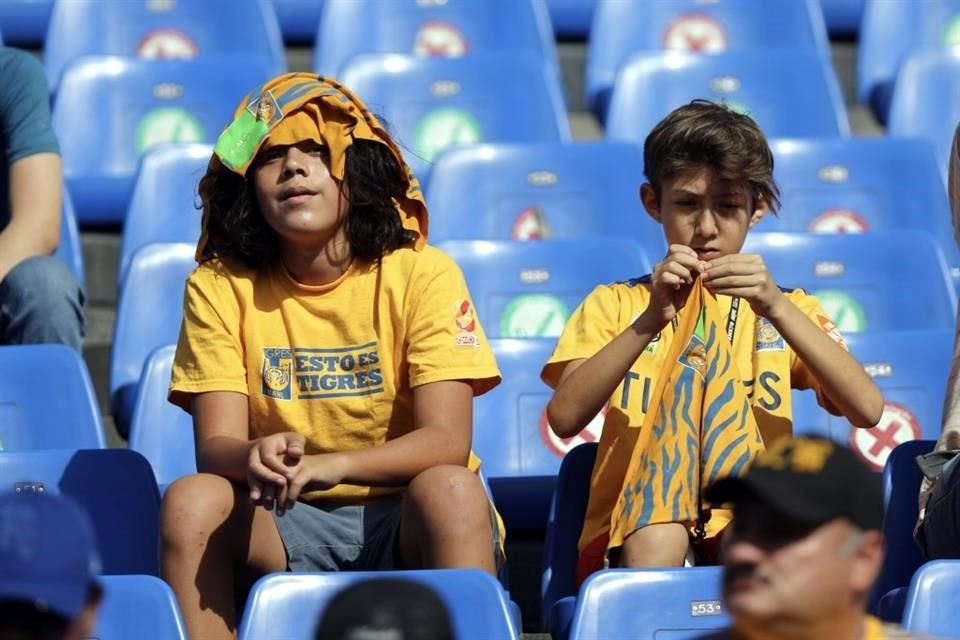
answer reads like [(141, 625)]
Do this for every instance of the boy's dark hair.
[(21, 620), (704, 133), (385, 608), (373, 178)]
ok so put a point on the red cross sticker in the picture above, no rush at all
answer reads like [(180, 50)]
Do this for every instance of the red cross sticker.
[(561, 446), (696, 32), (440, 39), (897, 425)]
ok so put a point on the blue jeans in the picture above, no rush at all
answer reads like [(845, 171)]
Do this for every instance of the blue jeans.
[(40, 302), (940, 534)]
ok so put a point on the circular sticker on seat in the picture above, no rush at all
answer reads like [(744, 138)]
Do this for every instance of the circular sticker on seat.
[(838, 221), (561, 446), (697, 32), (847, 314), (534, 315), (167, 44), (951, 35), (167, 124), (443, 128), (440, 39), (897, 425), (531, 224)]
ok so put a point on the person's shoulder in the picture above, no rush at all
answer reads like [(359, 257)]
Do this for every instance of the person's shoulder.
[(637, 288), (221, 272), (408, 263), (17, 66)]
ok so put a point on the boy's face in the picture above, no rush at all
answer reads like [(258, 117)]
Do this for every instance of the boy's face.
[(701, 210)]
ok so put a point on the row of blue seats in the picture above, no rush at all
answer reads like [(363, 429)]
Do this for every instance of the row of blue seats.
[(118, 489), (434, 104), (26, 21)]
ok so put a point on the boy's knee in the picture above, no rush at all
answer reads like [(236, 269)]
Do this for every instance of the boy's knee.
[(656, 545), (194, 507), (448, 491)]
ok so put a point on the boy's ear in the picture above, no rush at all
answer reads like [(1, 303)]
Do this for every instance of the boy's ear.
[(648, 196), (758, 214)]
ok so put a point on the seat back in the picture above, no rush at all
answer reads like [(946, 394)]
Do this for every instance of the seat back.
[(933, 598), (567, 512), (648, 604), (141, 607), (149, 314), (529, 289), (159, 430), (162, 30), (164, 204), (853, 275), (431, 104), (114, 486), (33, 418), (541, 191), (890, 33), (621, 29), (150, 102), (450, 29), (788, 93), (285, 605)]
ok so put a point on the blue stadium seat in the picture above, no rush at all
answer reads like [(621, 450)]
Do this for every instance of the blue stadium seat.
[(24, 22), (890, 33), (162, 30), (788, 93), (843, 17), (150, 102), (141, 607), (164, 204), (452, 28), (558, 582), (911, 369), (529, 289), (926, 101), (47, 400), (572, 18), (622, 604), (431, 104), (115, 487), (285, 605), (520, 459), (854, 275), (901, 486), (933, 598), (536, 191), (70, 251), (298, 19), (850, 185), (755, 27), (149, 314), (162, 432)]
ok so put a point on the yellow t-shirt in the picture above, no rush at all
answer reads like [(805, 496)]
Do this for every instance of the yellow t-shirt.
[(337, 363), (768, 368)]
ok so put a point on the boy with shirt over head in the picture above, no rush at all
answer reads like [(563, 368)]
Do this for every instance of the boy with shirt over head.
[(710, 180)]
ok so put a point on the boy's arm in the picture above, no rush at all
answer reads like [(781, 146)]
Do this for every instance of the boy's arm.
[(843, 380), (586, 384)]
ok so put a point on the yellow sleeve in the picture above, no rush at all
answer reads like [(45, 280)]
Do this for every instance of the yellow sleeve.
[(800, 376), (591, 326), (446, 341), (209, 351)]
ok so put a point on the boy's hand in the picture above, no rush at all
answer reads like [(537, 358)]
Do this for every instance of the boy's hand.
[(670, 285), (745, 276)]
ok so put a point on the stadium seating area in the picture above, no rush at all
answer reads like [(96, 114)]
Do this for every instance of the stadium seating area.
[(537, 210)]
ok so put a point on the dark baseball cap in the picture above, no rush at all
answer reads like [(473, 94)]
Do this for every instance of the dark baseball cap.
[(809, 480), (48, 552)]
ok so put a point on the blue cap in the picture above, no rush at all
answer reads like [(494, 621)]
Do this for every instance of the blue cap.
[(48, 552)]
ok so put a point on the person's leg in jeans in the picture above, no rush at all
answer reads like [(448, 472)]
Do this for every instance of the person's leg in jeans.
[(41, 302), (941, 526)]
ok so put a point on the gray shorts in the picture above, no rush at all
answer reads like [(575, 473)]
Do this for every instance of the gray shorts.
[(341, 538)]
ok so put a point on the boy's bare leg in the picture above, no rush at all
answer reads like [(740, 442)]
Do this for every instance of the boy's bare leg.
[(655, 546), (212, 536)]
